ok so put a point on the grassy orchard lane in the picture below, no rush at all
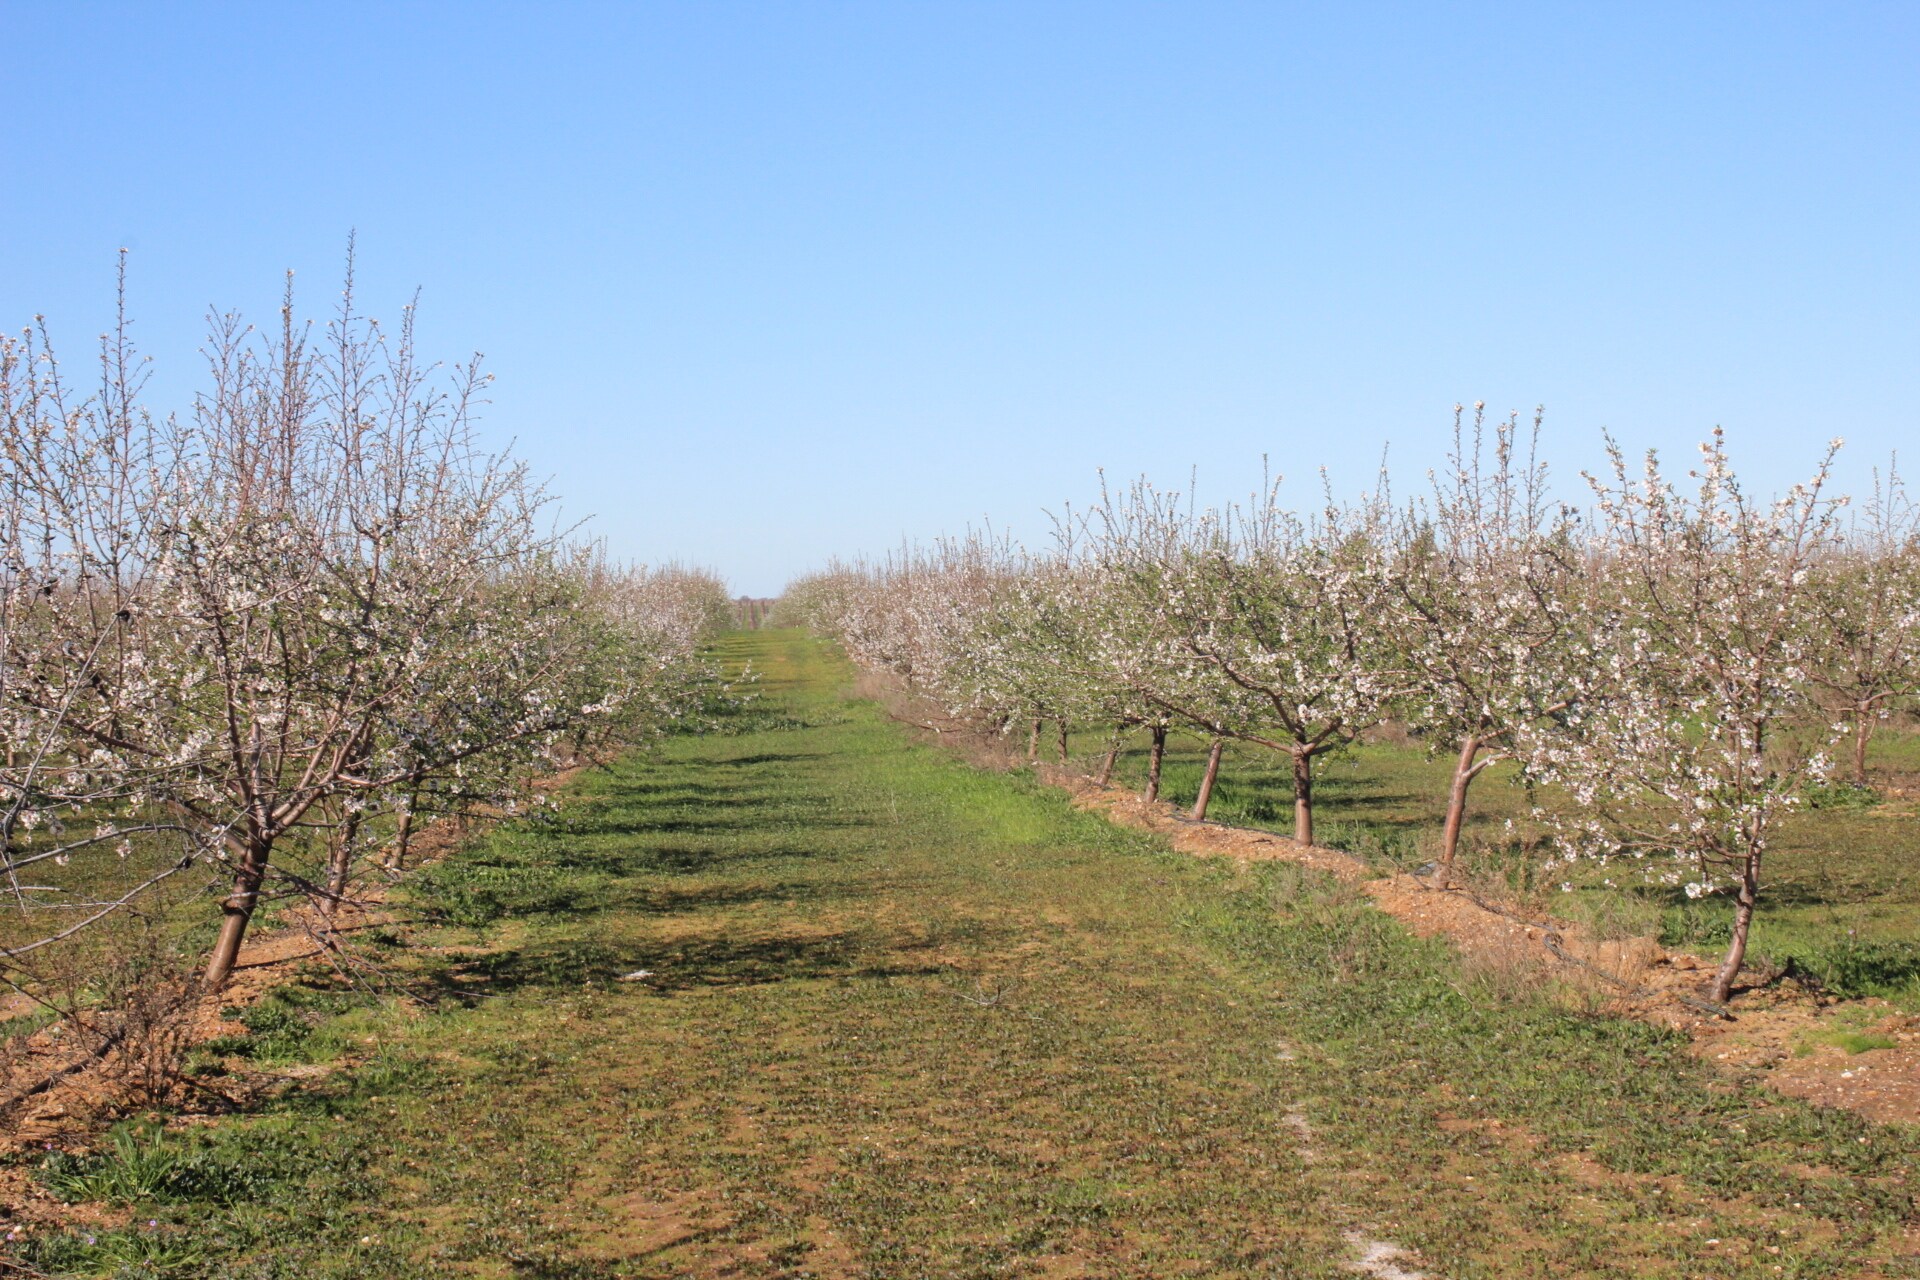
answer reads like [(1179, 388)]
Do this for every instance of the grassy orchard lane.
[(908, 1019)]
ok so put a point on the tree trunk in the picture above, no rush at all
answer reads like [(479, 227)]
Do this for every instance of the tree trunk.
[(1862, 733), (1302, 797), (1743, 906), (1113, 755), (1153, 763), (1033, 742), (1463, 776), (236, 912), (1063, 742), (397, 853), (1206, 780), (340, 863)]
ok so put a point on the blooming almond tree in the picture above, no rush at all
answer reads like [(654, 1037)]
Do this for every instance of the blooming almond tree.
[(1143, 545), (291, 608), (1273, 626), (86, 477), (1482, 578), (1680, 745)]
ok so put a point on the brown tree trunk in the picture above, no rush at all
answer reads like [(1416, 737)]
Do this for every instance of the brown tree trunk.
[(1862, 734), (1206, 780), (1153, 763), (397, 855), (236, 912), (1063, 742), (1302, 797), (397, 852), (1113, 755), (1743, 906), (1033, 742), (1456, 810), (340, 863)]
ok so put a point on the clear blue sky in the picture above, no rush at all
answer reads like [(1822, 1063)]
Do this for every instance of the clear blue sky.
[(765, 283)]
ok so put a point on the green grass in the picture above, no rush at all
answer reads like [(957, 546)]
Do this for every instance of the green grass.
[(903, 1018), (1858, 1041)]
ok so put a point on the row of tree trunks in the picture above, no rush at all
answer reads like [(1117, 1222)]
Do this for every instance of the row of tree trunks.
[(1155, 760)]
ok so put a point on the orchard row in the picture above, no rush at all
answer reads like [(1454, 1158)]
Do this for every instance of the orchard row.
[(1675, 659), (306, 613)]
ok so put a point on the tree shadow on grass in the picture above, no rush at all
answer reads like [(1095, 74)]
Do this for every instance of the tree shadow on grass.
[(624, 864), (765, 757), (663, 822), (666, 825), (1270, 813), (693, 859), (662, 901), (715, 812), (670, 792), (681, 965), (1332, 800), (1786, 890), (1777, 893)]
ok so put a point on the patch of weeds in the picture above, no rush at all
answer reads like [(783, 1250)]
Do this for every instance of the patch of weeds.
[(1382, 847), (1854, 968), (1840, 795), (26, 1024), (764, 719), (492, 883), (205, 1199), (137, 1165), (282, 1025), (392, 1071), (1264, 810), (265, 1164), (1851, 1041), (1697, 924), (133, 1253)]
